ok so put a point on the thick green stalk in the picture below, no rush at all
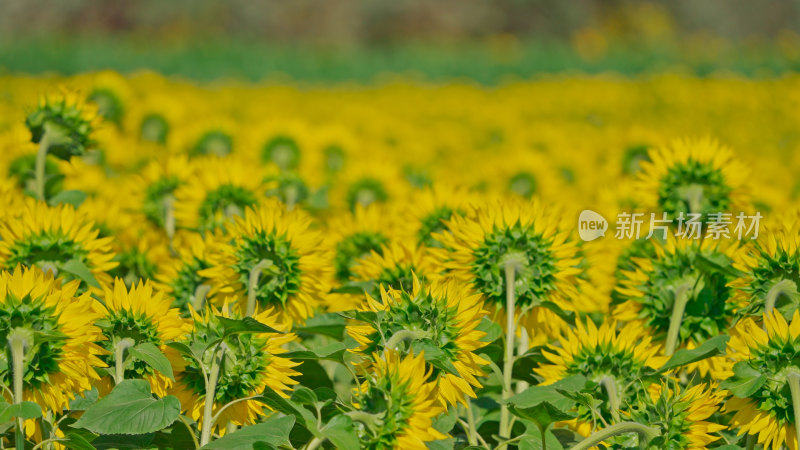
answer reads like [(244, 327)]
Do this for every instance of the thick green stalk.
[(646, 434), (200, 293), (472, 432), (508, 362), (169, 219), (252, 284), (39, 168), (119, 359), (783, 287), (18, 340), (211, 392), (673, 333), (610, 385), (793, 378), (405, 335)]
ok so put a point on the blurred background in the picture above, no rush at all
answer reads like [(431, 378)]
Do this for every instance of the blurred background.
[(336, 40)]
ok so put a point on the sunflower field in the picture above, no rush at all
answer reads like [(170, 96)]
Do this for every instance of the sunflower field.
[(566, 262)]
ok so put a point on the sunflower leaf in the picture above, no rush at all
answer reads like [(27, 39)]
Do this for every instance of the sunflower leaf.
[(331, 325), (543, 414), (745, 380), (246, 325), (436, 357), (331, 352), (79, 269), (130, 408), (71, 197), (712, 347), (275, 401), (153, 356), (341, 432), (25, 410), (274, 433)]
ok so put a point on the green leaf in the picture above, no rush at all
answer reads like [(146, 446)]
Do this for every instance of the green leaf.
[(712, 347), (25, 410), (353, 287), (245, 325), (153, 356), (331, 352), (77, 268), (543, 414), (443, 444), (331, 325), (492, 329), (436, 357), (745, 380), (274, 432), (341, 432), (304, 396), (74, 440), (717, 263), (130, 409), (551, 393), (272, 399), (71, 197), (81, 403)]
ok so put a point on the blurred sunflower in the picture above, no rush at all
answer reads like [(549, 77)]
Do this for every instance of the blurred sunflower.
[(65, 122), (772, 355), (56, 239), (400, 401), (770, 272), (395, 265), (431, 207), (613, 359), (535, 239), (681, 294), (61, 351), (180, 276), (251, 362), (151, 191), (274, 258), (680, 415), (442, 317), (216, 193), (136, 316), (692, 176)]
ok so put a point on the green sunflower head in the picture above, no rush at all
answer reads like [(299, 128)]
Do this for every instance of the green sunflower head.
[(64, 125), (283, 151), (154, 128), (288, 187), (334, 158), (433, 223), (222, 203), (354, 247), (693, 187), (135, 327), (366, 191), (213, 142), (280, 276), (155, 201), (109, 105), (523, 184)]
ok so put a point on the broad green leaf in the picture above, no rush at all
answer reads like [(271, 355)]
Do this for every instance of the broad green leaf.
[(491, 328), (745, 380), (353, 287), (274, 432), (443, 444), (340, 432), (153, 356), (77, 268), (245, 325), (542, 414), (537, 394), (25, 410), (130, 409), (712, 347), (71, 197), (304, 396), (435, 356), (81, 403), (74, 440), (330, 352), (717, 263), (272, 399), (332, 325)]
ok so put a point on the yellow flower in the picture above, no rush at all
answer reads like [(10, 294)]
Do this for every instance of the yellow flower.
[(286, 255), (397, 393), (140, 315), (394, 265), (772, 353), (62, 354), (180, 276), (680, 415), (252, 362), (58, 239), (442, 315)]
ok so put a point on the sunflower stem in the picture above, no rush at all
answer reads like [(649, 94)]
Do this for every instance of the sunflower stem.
[(252, 284), (610, 385), (199, 298), (169, 220), (522, 348), (314, 443), (793, 378), (119, 359), (405, 335), (39, 167), (646, 434), (18, 340), (785, 288), (472, 432), (211, 389), (678, 307), (508, 363)]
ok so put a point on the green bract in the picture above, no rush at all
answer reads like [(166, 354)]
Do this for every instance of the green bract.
[(353, 247), (67, 130), (280, 279)]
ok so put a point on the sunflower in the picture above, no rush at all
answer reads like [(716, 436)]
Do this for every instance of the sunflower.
[(136, 316), (151, 191), (251, 363), (443, 317), (770, 272), (480, 246), (218, 191), (431, 207), (278, 255), (353, 236), (395, 265), (56, 239), (772, 355), (180, 276), (65, 122), (680, 415), (692, 176), (613, 359), (400, 401), (62, 352), (681, 273)]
